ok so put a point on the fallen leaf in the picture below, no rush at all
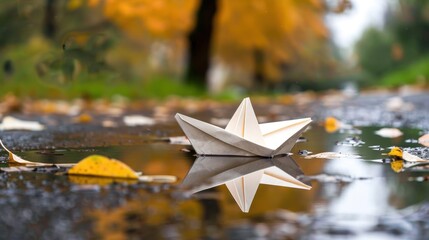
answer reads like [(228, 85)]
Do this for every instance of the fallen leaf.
[(15, 159), (138, 120), (397, 153), (397, 165), (332, 155), (389, 132), (83, 118), (109, 124), (11, 123), (96, 165), (424, 140), (332, 124), (412, 158)]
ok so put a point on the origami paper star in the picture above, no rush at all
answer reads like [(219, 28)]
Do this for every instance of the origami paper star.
[(243, 136), (242, 175)]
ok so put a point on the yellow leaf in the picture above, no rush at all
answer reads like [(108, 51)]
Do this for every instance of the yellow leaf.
[(397, 165), (331, 124), (83, 118), (96, 165), (397, 153)]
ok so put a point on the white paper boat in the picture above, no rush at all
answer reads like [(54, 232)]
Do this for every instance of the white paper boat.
[(243, 136), (242, 175)]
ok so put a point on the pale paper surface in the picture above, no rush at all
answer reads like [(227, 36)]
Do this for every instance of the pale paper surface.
[(243, 136), (242, 175)]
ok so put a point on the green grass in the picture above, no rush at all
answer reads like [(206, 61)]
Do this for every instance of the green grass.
[(26, 81), (415, 73), (99, 86)]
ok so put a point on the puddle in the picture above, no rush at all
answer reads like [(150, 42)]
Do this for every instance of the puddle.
[(357, 198)]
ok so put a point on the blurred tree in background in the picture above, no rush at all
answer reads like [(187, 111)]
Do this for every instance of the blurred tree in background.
[(398, 52), (259, 44), (274, 38)]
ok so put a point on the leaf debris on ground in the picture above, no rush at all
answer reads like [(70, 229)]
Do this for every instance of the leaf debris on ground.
[(11, 123), (424, 140), (333, 155), (389, 132), (138, 120)]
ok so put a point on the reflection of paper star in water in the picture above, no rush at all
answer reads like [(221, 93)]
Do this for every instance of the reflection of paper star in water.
[(242, 175), (243, 136)]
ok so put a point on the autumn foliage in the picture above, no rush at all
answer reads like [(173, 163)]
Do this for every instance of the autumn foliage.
[(288, 36)]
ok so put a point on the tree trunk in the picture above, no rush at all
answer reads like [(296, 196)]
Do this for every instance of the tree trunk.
[(258, 69), (49, 27), (199, 41)]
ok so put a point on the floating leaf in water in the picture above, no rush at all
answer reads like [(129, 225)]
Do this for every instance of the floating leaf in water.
[(11, 123), (389, 132), (412, 158), (96, 165), (332, 155), (17, 160), (397, 165), (424, 140), (138, 120), (396, 153), (332, 124), (101, 166)]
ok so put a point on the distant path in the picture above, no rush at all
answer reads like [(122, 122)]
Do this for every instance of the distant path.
[(369, 109)]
